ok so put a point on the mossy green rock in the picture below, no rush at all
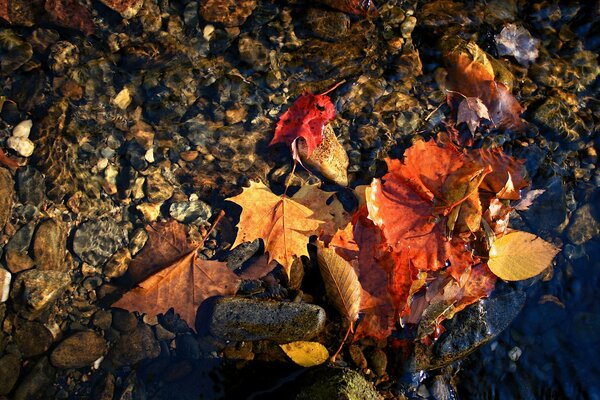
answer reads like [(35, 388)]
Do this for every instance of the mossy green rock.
[(338, 384)]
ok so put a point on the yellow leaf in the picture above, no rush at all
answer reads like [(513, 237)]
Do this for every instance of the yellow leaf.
[(306, 354), (332, 212), (282, 223), (520, 255)]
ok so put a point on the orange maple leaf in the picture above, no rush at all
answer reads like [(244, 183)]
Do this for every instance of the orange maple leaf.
[(169, 274), (283, 224)]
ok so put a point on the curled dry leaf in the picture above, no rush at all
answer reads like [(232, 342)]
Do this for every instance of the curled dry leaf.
[(283, 224), (471, 111), (306, 354), (341, 283), (329, 157), (520, 255)]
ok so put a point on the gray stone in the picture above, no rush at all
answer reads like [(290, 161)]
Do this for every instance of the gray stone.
[(584, 225), (6, 196), (336, 383), (241, 254), (134, 347), (189, 212), (36, 382), (96, 241), (78, 350), (32, 338), (10, 368), (30, 186), (249, 319), (50, 246), (36, 289), (22, 239), (158, 189), (470, 329)]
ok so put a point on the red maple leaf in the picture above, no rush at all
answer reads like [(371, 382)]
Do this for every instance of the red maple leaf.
[(305, 119)]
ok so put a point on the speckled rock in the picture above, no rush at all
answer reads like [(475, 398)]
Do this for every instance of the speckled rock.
[(248, 319), (96, 241), (584, 225), (117, 265), (78, 350), (30, 186), (50, 246), (336, 383), (138, 241), (10, 368), (6, 196), (190, 211), (470, 329), (127, 8), (32, 338), (242, 253), (228, 12), (36, 290), (63, 55), (158, 189), (135, 346)]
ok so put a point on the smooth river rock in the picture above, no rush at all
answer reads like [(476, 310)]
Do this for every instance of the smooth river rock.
[(32, 338), (135, 346), (10, 367), (78, 350), (37, 290), (470, 329), (242, 319), (96, 241), (50, 246)]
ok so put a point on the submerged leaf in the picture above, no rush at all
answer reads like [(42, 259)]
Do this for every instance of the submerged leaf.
[(327, 208), (516, 41), (520, 255), (306, 354), (329, 157), (470, 111)]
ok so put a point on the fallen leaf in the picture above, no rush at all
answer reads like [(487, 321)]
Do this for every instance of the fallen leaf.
[(341, 284), (327, 208), (504, 169), (283, 224), (71, 14), (305, 119), (174, 278), (306, 354), (471, 111), (528, 199), (520, 255), (516, 41), (329, 157)]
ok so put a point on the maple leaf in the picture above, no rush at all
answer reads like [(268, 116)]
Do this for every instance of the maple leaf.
[(306, 119), (508, 175), (470, 111), (282, 223), (169, 274), (71, 14), (472, 79)]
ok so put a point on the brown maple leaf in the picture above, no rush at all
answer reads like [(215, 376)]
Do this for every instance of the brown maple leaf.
[(169, 274), (283, 224), (471, 111)]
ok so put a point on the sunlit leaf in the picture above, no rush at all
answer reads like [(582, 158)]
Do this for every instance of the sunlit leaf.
[(306, 354)]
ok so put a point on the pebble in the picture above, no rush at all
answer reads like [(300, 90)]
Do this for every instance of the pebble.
[(150, 211), (31, 186), (584, 225), (22, 129), (104, 389), (127, 8), (102, 319), (135, 346), (329, 25), (6, 196), (32, 338), (230, 13), (37, 289), (138, 241), (5, 278), (63, 56), (162, 333), (158, 189), (18, 261), (378, 362), (50, 246), (549, 212), (123, 320), (242, 319), (242, 253), (117, 265), (10, 368), (78, 350), (189, 212), (35, 383), (96, 241)]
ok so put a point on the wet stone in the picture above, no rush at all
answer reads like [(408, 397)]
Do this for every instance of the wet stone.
[(549, 211), (63, 55), (18, 261), (329, 25), (50, 246), (36, 289), (104, 389), (138, 241), (6, 196), (135, 346), (102, 319), (158, 189), (118, 263), (336, 383), (32, 338), (242, 253), (253, 53), (123, 320), (127, 8), (10, 368), (190, 212), (378, 362), (5, 278), (187, 347), (562, 123), (584, 225), (36, 382), (470, 329), (248, 319), (228, 12), (78, 350), (30, 186), (96, 241)]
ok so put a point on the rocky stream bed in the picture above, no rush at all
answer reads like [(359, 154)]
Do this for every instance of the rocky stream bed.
[(115, 114)]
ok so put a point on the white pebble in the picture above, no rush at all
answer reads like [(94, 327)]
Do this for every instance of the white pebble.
[(21, 145), (208, 31), (5, 278), (23, 129)]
